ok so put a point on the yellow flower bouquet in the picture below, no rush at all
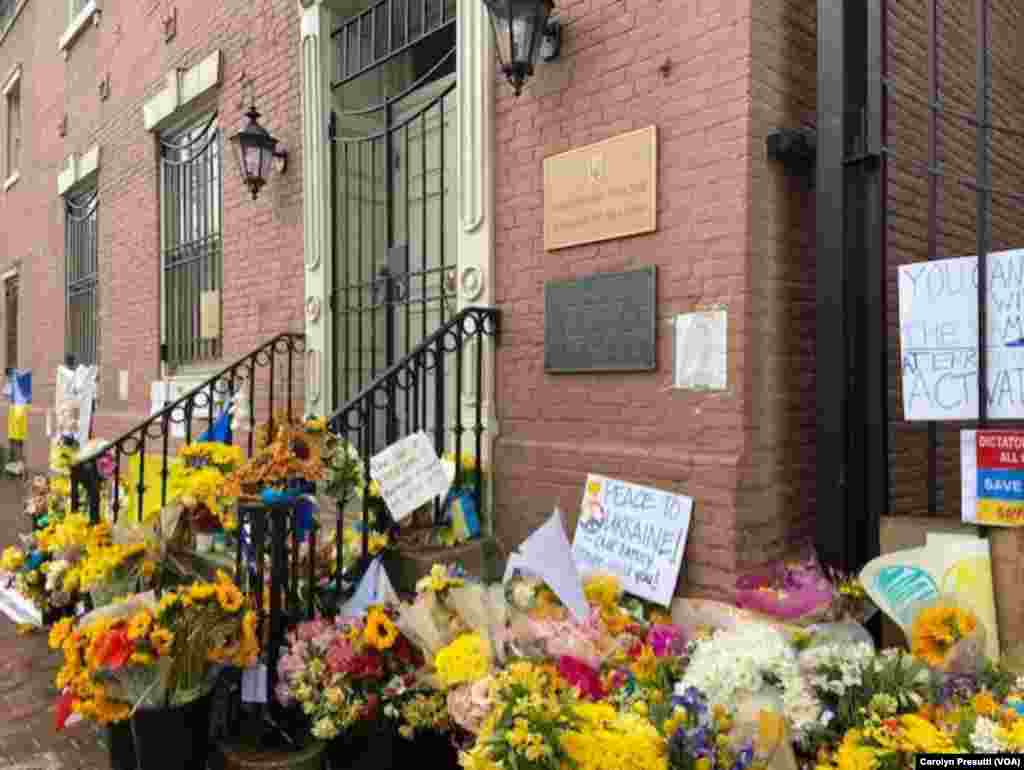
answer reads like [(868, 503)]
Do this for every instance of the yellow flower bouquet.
[(198, 480), (147, 654), (110, 571)]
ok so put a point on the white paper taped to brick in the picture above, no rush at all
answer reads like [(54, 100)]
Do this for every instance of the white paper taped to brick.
[(702, 361)]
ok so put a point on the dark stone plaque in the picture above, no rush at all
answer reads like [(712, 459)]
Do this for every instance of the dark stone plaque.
[(601, 323)]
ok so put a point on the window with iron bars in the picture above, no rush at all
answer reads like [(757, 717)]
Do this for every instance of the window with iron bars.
[(75, 7), (192, 259), (11, 313), (82, 270), (7, 8)]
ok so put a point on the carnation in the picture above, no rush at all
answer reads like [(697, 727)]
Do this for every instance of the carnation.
[(746, 661), (985, 739)]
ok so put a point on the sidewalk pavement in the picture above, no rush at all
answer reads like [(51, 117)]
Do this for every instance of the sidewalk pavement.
[(28, 739)]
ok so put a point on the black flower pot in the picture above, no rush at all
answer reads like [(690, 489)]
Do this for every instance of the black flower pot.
[(175, 738), (372, 745), (429, 749)]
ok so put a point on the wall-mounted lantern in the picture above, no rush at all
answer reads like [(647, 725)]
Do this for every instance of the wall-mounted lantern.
[(255, 151), (524, 31)]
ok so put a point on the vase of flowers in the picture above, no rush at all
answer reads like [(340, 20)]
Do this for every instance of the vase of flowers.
[(146, 669), (349, 679)]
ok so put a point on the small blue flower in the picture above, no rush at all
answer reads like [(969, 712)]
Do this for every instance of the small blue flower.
[(744, 758)]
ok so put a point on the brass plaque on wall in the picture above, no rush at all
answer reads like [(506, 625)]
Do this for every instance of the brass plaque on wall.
[(602, 191), (601, 323), (209, 315)]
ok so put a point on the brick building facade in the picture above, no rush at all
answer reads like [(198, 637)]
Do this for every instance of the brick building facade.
[(86, 85), (734, 229)]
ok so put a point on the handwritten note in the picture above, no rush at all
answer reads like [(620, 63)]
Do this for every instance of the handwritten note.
[(939, 337), (637, 533), (410, 474)]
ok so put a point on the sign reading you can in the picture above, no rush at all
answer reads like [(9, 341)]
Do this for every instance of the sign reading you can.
[(601, 323), (602, 191), (409, 474), (636, 533)]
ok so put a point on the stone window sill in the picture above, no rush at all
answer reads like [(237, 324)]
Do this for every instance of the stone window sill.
[(11, 181), (90, 13)]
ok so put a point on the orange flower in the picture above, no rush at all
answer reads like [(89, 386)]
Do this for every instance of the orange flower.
[(985, 705), (937, 629)]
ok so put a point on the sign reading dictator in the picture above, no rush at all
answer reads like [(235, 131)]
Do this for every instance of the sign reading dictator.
[(1000, 477)]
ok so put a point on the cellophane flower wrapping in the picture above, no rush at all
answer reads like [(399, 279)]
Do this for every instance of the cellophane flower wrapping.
[(793, 591), (946, 633), (482, 609)]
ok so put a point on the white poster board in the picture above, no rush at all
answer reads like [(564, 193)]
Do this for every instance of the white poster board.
[(701, 350), (636, 533), (939, 337), (410, 474)]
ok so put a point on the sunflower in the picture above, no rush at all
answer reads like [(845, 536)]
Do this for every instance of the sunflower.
[(139, 625), (61, 630), (380, 632), (162, 639), (937, 629)]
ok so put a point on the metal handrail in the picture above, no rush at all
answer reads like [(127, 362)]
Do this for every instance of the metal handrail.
[(421, 369), (204, 396)]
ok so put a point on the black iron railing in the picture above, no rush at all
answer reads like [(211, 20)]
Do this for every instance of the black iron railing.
[(267, 375), (426, 391)]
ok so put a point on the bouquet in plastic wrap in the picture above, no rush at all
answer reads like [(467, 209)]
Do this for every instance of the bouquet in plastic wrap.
[(946, 634), (796, 591)]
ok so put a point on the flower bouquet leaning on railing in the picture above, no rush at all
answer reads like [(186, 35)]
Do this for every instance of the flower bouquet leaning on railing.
[(198, 483), (287, 463), (147, 667)]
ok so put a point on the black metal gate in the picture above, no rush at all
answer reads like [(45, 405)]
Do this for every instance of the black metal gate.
[(920, 131), (392, 155)]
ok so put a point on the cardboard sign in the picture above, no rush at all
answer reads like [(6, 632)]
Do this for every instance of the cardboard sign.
[(634, 532), (939, 337), (410, 474)]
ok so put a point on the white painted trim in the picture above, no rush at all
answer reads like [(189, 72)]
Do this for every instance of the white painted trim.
[(316, 57), (13, 78), (182, 87), (78, 169), (11, 181), (76, 26)]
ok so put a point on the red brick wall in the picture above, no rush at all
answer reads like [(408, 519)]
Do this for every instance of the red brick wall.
[(263, 274), (555, 429)]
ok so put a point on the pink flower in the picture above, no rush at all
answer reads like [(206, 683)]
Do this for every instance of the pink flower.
[(290, 664), (283, 693), (470, 704), (581, 676), (312, 629), (666, 640), (340, 656)]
